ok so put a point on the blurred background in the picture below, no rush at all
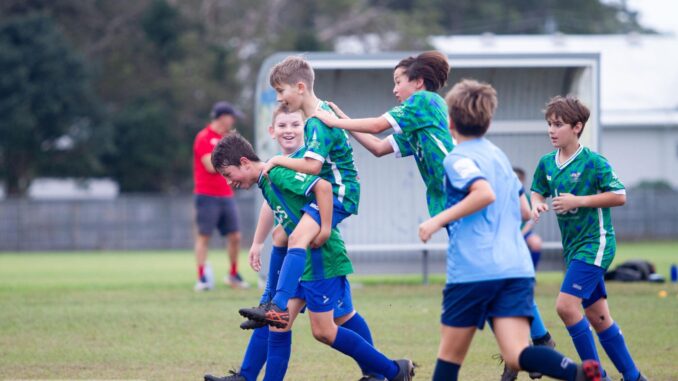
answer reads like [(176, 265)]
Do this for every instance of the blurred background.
[(100, 100)]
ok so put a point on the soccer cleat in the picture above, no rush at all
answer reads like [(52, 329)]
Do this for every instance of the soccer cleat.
[(201, 286), (252, 324), (233, 376), (236, 281), (370, 377), (589, 370), (269, 314), (405, 370), (510, 374), (548, 343)]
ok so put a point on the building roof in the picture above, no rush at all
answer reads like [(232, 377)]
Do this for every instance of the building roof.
[(638, 73)]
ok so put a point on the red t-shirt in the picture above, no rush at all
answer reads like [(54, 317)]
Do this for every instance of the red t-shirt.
[(208, 184)]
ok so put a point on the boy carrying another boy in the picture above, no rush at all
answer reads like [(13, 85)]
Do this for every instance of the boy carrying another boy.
[(324, 280), (329, 155)]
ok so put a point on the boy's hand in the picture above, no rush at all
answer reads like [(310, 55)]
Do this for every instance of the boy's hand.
[(325, 116), (321, 238), (427, 228), (269, 165), (538, 209), (254, 256), (565, 202), (338, 111)]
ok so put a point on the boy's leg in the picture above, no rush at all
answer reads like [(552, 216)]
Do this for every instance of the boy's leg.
[(255, 354), (611, 338), (512, 337), (454, 345), (280, 346)]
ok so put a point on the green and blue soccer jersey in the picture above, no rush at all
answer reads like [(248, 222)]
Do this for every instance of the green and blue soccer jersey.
[(331, 147), (587, 233), (421, 129), (287, 192)]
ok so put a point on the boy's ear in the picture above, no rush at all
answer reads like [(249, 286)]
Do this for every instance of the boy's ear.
[(270, 131), (301, 87), (420, 83), (244, 162), (578, 127)]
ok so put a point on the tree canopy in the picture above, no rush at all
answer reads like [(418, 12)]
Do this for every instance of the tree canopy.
[(119, 88)]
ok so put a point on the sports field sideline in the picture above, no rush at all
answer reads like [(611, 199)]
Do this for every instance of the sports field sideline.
[(134, 315)]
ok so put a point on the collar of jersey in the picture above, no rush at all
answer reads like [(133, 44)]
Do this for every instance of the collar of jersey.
[(571, 159), (295, 151), (259, 180)]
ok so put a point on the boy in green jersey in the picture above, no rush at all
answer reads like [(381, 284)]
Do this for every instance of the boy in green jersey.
[(583, 187), (419, 123), (327, 154), (324, 278)]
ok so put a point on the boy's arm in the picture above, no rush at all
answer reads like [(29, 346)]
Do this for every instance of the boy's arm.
[(369, 125), (323, 198), (378, 147), (303, 165), (480, 195), (539, 205), (525, 212), (264, 226), (567, 201)]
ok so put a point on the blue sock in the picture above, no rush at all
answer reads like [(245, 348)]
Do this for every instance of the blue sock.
[(274, 265), (537, 328), (358, 325), (351, 344), (291, 271), (279, 349), (548, 362), (255, 354), (536, 255), (446, 371), (583, 341), (613, 342)]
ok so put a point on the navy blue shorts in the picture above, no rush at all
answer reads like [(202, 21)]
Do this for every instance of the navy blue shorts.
[(216, 212), (338, 212), (471, 304), (584, 281), (327, 295)]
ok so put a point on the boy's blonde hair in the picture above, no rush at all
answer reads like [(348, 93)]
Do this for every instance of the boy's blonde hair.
[(292, 70), (569, 109), (471, 105), (283, 110)]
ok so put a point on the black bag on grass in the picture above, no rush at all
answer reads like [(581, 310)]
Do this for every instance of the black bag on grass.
[(635, 270)]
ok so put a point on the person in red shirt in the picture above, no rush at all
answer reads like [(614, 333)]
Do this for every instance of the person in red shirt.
[(214, 203)]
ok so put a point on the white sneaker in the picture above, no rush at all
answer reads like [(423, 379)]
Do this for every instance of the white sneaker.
[(236, 281), (201, 286), (209, 276)]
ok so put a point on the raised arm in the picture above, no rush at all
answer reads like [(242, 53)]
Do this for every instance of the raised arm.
[(303, 165), (369, 125), (378, 147), (480, 195)]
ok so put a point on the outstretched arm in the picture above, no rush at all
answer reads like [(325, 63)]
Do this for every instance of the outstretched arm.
[(480, 195), (369, 125), (378, 147), (303, 165)]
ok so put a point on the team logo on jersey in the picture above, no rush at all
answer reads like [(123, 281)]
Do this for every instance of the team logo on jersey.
[(279, 214), (548, 177), (574, 177)]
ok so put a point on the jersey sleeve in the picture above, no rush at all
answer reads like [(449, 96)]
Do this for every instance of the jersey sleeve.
[(289, 181), (461, 172), (607, 178), (318, 140), (401, 146), (539, 183), (202, 146), (409, 115)]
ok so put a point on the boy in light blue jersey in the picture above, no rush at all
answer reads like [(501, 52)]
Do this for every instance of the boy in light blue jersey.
[(419, 122), (327, 154), (489, 272), (584, 187)]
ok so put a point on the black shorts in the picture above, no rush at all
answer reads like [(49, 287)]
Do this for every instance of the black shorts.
[(216, 212)]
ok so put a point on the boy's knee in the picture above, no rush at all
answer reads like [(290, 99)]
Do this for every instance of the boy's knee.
[(279, 238), (567, 311), (324, 336)]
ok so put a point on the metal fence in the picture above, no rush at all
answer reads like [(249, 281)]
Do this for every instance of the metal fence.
[(149, 222)]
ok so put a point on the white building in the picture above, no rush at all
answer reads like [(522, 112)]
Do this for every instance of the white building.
[(638, 93)]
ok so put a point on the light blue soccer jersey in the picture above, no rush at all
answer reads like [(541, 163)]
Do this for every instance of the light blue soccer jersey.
[(485, 245)]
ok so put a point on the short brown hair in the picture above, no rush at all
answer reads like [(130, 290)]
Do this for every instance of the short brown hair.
[(570, 109), (292, 70), (471, 106), (431, 66), (230, 149), (283, 110)]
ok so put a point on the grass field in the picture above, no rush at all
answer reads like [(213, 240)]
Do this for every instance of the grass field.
[(134, 315)]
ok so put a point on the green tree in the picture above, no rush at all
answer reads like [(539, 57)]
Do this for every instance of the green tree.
[(45, 102)]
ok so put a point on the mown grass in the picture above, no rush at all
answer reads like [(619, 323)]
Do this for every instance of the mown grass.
[(112, 315)]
